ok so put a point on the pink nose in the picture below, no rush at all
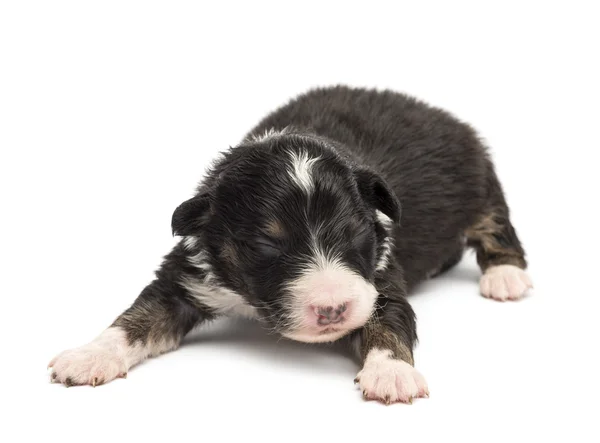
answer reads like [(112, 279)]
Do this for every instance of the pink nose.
[(327, 315)]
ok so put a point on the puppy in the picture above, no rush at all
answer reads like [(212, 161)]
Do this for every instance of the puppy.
[(317, 225)]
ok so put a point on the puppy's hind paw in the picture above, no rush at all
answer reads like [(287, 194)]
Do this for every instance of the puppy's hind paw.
[(505, 282)]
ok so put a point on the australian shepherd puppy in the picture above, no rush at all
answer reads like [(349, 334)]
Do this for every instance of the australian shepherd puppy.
[(317, 225)]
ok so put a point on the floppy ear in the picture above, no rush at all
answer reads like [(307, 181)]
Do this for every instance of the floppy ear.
[(378, 194), (190, 217)]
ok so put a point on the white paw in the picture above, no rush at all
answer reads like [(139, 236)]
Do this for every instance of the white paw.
[(505, 282), (96, 363), (389, 380)]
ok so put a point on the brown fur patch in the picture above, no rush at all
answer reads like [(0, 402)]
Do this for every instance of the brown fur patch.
[(375, 335), (275, 229), (483, 230), (495, 242), (229, 254)]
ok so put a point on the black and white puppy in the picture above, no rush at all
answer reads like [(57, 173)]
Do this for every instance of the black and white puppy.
[(318, 224)]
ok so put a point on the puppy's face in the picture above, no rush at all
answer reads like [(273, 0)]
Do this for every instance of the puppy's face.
[(297, 231)]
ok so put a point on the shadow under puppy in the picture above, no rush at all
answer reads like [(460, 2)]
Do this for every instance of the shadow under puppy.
[(317, 225)]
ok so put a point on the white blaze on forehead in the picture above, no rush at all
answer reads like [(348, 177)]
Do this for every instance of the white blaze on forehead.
[(301, 170)]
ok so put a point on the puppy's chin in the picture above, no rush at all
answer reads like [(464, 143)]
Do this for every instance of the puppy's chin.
[(317, 336)]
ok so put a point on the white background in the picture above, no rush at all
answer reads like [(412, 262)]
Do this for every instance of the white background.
[(109, 113)]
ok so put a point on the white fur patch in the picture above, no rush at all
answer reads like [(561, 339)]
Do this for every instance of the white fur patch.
[(505, 282), (386, 247), (199, 260), (301, 170), (390, 380), (222, 300), (326, 281), (269, 133), (190, 243), (210, 293), (105, 358), (383, 219)]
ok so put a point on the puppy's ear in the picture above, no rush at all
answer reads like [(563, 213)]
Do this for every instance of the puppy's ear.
[(190, 217), (378, 194)]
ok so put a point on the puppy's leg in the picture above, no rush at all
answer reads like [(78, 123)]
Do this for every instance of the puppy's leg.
[(499, 252), (156, 322), (385, 346)]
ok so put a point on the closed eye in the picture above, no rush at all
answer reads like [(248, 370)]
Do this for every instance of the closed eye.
[(267, 247), (360, 237)]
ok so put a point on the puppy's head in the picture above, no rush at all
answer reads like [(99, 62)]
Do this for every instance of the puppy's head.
[(297, 230)]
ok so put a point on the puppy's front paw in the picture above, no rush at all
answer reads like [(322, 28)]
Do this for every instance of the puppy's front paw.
[(505, 282), (93, 364), (389, 380)]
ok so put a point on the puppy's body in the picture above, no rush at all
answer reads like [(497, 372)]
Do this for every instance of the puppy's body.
[(317, 225)]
